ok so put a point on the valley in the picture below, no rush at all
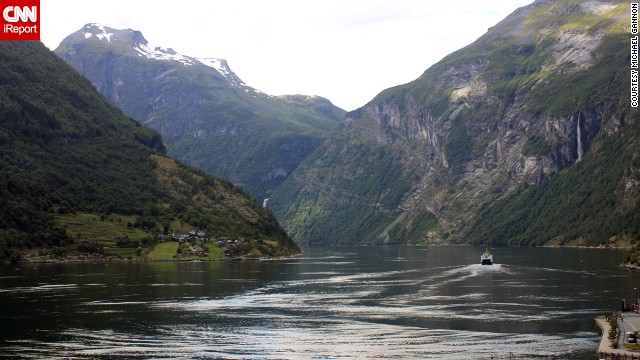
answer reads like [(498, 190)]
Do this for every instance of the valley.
[(525, 137)]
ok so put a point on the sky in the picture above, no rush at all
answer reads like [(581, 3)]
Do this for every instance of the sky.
[(345, 50)]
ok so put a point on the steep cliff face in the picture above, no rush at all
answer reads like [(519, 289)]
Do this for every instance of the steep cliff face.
[(525, 101), (207, 115)]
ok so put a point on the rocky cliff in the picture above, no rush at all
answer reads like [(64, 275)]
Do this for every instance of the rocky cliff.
[(540, 92)]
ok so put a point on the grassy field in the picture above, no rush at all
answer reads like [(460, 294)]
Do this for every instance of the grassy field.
[(104, 231), (91, 228), (164, 251), (215, 252), (168, 251), (272, 243)]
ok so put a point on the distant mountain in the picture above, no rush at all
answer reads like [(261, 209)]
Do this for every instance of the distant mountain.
[(524, 137), (78, 175), (207, 115)]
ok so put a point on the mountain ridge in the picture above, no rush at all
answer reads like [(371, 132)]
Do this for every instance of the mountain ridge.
[(207, 115), (133, 43)]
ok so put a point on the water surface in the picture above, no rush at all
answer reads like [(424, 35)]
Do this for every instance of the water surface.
[(339, 302)]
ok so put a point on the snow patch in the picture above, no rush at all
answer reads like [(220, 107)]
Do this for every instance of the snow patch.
[(218, 64), (164, 54), (103, 35)]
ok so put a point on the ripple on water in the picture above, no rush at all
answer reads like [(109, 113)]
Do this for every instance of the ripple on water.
[(352, 339), (402, 310)]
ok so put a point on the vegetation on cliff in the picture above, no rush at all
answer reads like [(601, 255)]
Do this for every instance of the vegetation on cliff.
[(524, 137), (68, 157)]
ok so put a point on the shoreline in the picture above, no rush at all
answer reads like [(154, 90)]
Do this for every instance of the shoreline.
[(107, 259), (146, 260)]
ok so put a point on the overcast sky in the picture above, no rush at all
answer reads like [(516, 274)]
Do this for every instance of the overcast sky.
[(345, 50)]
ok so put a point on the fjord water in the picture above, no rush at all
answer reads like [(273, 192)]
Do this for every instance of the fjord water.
[(342, 302)]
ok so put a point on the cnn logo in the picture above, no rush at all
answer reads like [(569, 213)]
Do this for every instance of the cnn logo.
[(15, 13), (20, 20)]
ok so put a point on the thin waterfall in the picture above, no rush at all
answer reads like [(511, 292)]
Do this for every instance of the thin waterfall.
[(265, 201), (579, 136)]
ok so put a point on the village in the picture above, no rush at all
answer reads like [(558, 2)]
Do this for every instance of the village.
[(195, 243)]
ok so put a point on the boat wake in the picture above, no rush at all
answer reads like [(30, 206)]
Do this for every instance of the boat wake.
[(334, 308)]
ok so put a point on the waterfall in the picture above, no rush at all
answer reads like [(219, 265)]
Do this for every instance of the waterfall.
[(579, 136), (265, 201)]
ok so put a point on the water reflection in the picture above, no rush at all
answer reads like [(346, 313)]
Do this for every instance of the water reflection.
[(333, 302)]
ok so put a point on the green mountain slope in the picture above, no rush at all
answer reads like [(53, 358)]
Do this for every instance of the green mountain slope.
[(206, 114), (65, 152), (595, 202), (544, 91)]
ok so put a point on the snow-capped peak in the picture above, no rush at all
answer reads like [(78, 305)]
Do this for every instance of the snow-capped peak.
[(137, 41), (141, 47)]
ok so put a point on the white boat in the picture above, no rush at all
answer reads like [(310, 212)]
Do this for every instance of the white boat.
[(486, 258)]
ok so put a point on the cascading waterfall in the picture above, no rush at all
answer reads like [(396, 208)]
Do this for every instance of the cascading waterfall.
[(265, 201), (579, 137)]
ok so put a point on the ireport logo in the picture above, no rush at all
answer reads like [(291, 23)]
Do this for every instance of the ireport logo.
[(20, 20)]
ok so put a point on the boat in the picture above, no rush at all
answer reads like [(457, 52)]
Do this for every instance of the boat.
[(486, 258)]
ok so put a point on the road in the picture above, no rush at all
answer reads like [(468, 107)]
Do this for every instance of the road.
[(629, 322)]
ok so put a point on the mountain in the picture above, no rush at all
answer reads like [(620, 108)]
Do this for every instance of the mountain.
[(526, 136), (206, 114), (73, 165)]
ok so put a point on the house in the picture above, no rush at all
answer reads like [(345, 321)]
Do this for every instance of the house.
[(198, 251), (191, 235), (236, 250), (181, 236)]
